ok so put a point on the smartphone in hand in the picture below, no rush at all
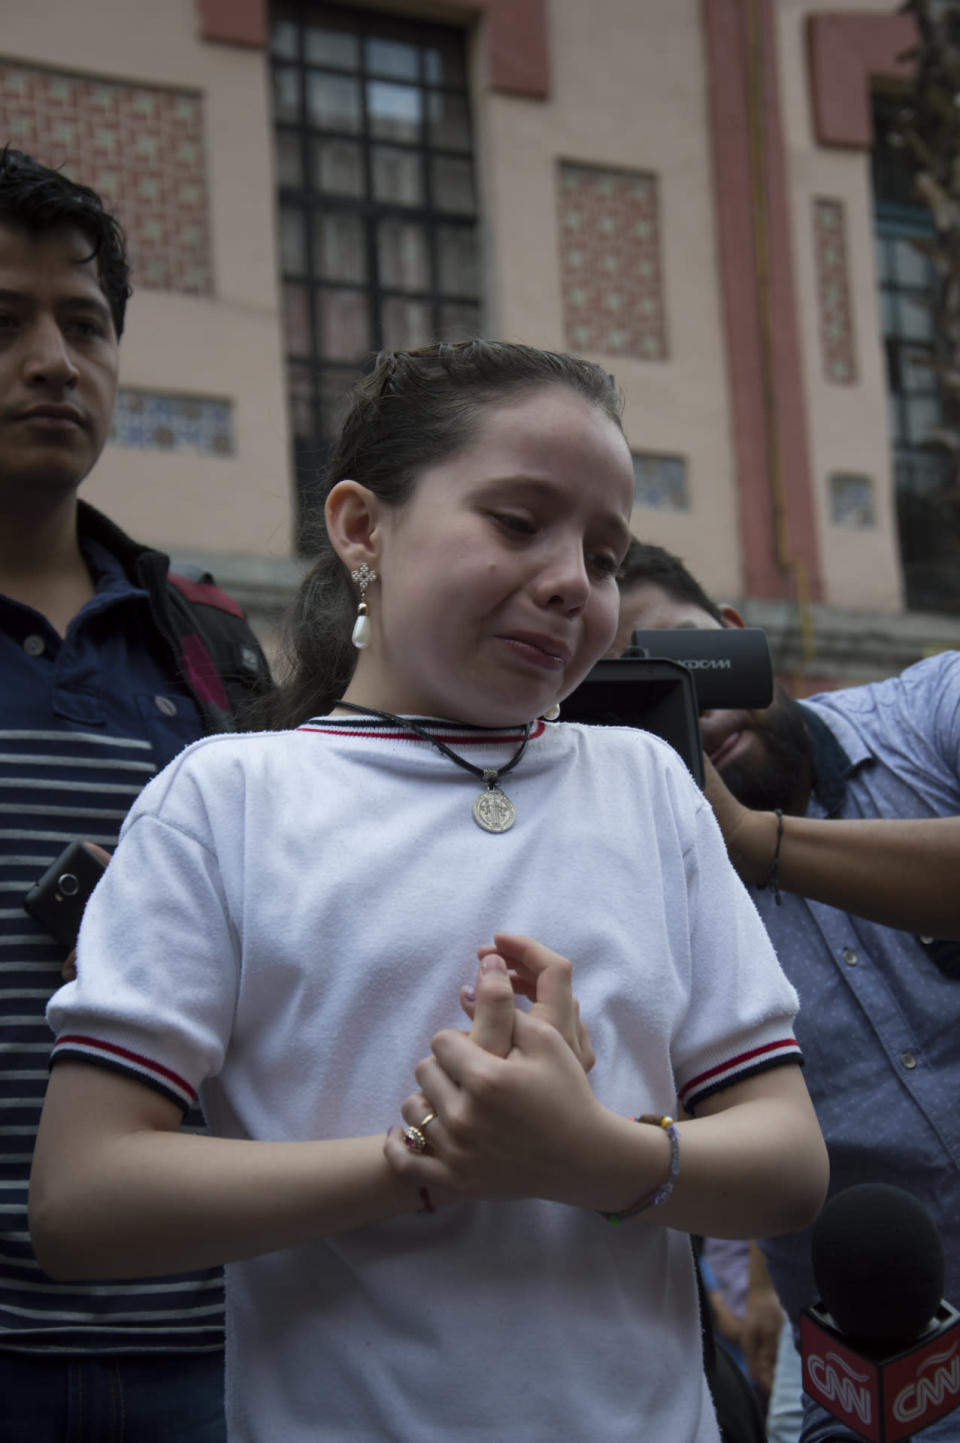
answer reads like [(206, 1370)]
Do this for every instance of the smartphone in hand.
[(57, 900)]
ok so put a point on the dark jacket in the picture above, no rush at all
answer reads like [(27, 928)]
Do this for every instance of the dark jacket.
[(211, 648)]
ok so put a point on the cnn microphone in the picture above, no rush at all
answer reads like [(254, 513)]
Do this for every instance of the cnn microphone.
[(880, 1349)]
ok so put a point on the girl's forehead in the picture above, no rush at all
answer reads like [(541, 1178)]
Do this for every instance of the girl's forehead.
[(540, 452), (545, 421), (555, 432)]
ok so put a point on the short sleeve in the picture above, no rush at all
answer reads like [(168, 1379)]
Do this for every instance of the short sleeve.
[(742, 1007), (157, 964), (945, 705)]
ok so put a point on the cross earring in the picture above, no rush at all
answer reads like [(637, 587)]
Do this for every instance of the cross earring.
[(361, 627)]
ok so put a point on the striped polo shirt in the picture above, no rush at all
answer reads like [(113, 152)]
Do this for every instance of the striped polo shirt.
[(85, 721)]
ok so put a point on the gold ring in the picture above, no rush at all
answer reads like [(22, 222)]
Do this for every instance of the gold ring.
[(414, 1139), (430, 1117)]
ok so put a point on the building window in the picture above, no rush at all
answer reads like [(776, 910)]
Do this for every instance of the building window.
[(611, 269), (835, 302), (924, 471), (378, 237), (660, 482), (160, 422), (852, 501)]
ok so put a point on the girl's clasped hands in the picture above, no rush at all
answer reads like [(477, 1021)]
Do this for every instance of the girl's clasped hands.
[(485, 1121)]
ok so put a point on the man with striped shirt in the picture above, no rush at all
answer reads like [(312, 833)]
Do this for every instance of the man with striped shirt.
[(109, 665)]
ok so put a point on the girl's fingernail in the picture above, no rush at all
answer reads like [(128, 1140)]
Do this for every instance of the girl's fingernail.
[(493, 963), (470, 992)]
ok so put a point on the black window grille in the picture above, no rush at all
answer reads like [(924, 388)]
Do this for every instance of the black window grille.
[(376, 199), (924, 469)]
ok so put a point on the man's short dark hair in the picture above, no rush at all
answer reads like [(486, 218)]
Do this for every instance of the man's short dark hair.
[(39, 199), (645, 562)]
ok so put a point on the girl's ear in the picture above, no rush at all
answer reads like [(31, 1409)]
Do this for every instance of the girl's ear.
[(352, 515)]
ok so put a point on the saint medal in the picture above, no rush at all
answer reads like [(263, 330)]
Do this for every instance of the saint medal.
[(493, 811)]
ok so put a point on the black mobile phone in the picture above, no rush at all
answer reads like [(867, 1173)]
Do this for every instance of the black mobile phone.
[(57, 900)]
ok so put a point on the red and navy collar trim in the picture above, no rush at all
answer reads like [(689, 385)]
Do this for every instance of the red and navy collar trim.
[(453, 733)]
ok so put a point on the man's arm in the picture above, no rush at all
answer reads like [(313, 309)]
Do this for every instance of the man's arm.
[(900, 873), (761, 1323)]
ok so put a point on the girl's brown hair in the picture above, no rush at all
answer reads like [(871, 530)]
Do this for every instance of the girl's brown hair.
[(414, 409)]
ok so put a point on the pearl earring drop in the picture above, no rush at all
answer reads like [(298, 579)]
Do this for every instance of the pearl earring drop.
[(361, 627)]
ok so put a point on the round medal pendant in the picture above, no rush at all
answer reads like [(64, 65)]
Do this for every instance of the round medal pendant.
[(493, 811)]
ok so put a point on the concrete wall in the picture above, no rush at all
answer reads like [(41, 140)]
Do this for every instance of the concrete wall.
[(848, 426), (225, 345), (628, 90)]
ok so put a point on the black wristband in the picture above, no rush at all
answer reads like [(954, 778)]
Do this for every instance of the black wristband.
[(771, 881)]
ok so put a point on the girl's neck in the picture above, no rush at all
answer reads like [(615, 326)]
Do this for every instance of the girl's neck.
[(350, 707)]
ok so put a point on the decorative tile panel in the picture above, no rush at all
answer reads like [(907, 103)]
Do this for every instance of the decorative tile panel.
[(173, 423), (610, 266), (833, 291), (660, 482), (140, 147), (852, 501)]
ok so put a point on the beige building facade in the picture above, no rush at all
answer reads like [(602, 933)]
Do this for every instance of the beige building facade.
[(679, 189)]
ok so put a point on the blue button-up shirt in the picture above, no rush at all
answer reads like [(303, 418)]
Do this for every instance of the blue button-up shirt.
[(879, 1008), (108, 674)]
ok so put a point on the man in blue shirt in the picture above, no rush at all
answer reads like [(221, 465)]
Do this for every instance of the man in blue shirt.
[(862, 906), (109, 665)]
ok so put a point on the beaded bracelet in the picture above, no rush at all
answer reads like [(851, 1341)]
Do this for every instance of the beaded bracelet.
[(660, 1194), (772, 879)]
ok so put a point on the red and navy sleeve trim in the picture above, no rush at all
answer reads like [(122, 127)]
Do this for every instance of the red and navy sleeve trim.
[(737, 1069), (77, 1048)]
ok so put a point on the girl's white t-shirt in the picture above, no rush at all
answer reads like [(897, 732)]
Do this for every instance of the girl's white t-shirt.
[(286, 924)]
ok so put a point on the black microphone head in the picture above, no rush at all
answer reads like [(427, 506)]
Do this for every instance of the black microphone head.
[(878, 1262)]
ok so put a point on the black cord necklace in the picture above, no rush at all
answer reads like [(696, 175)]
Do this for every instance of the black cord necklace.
[(492, 810)]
